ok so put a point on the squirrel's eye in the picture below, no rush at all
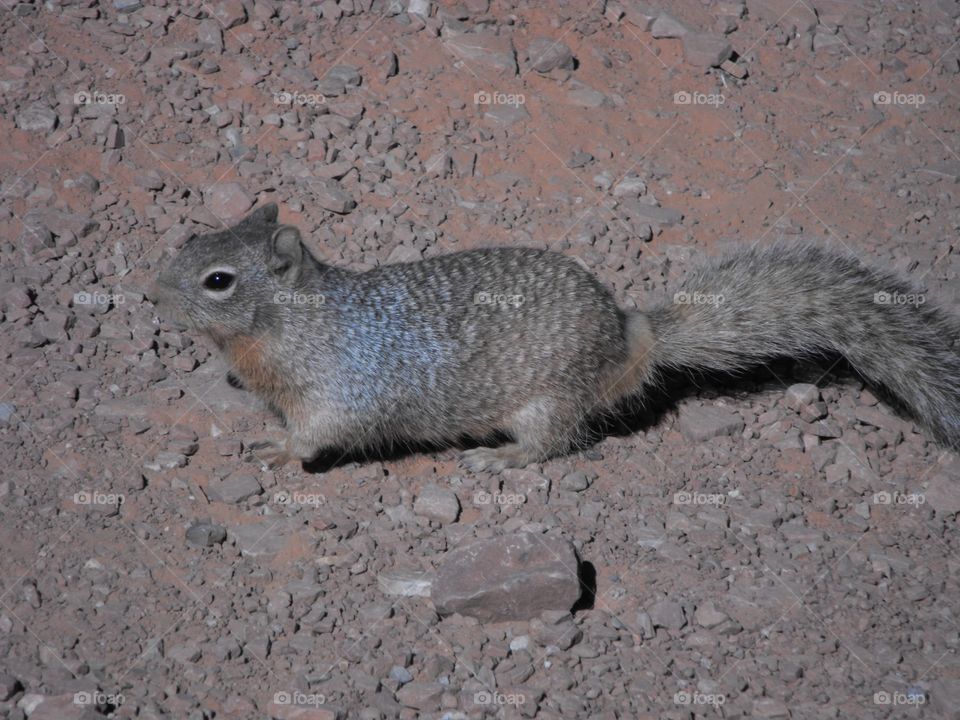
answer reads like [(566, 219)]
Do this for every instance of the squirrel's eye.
[(218, 280)]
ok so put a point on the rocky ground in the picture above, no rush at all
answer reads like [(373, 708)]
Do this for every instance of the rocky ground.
[(782, 547)]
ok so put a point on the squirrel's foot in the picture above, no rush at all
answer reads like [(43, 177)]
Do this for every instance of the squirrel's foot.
[(270, 453), (496, 459)]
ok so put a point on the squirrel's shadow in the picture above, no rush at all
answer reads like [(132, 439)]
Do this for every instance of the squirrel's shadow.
[(632, 417)]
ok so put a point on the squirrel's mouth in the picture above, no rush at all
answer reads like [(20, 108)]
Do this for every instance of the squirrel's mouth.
[(169, 304)]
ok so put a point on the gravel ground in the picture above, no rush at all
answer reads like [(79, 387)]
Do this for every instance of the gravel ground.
[(785, 546)]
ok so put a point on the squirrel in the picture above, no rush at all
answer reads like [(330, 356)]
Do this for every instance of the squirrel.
[(527, 343)]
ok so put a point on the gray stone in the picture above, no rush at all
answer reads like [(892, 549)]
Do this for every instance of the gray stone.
[(332, 196), (943, 494), (492, 51), (706, 49), (37, 117), (547, 54), (61, 222), (400, 674), (702, 422), (505, 114), (667, 614), (420, 7), (9, 686), (405, 583), (799, 395), (575, 481), (348, 75), (511, 577), (631, 186), (210, 32), (639, 13), (769, 708), (641, 212), (127, 6), (206, 534), (234, 488), (230, 13), (423, 696), (708, 616), (6, 412), (667, 26), (438, 504), (228, 201), (584, 96)]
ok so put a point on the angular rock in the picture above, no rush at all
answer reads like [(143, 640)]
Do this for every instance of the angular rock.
[(639, 13), (505, 114), (438, 504), (230, 13), (205, 534), (61, 222), (667, 614), (547, 54), (583, 96), (37, 117), (799, 395), (706, 49), (702, 422), (405, 583), (493, 51), (667, 26), (511, 577), (332, 196), (228, 200), (234, 488), (708, 616), (423, 696), (641, 212), (9, 686)]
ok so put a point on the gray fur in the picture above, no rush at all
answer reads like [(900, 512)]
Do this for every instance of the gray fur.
[(425, 351)]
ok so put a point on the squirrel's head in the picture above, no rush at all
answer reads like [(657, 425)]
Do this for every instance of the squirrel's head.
[(228, 283)]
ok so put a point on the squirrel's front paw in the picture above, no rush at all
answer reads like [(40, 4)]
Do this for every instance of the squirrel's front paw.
[(269, 453), (495, 459)]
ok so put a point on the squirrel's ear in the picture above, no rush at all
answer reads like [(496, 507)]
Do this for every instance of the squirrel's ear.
[(286, 253), (265, 214)]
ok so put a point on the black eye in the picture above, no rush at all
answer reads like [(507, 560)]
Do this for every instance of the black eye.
[(218, 280)]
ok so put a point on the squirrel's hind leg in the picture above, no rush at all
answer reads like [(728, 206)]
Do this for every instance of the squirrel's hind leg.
[(542, 428)]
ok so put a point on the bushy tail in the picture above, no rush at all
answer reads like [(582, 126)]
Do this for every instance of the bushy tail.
[(801, 299)]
